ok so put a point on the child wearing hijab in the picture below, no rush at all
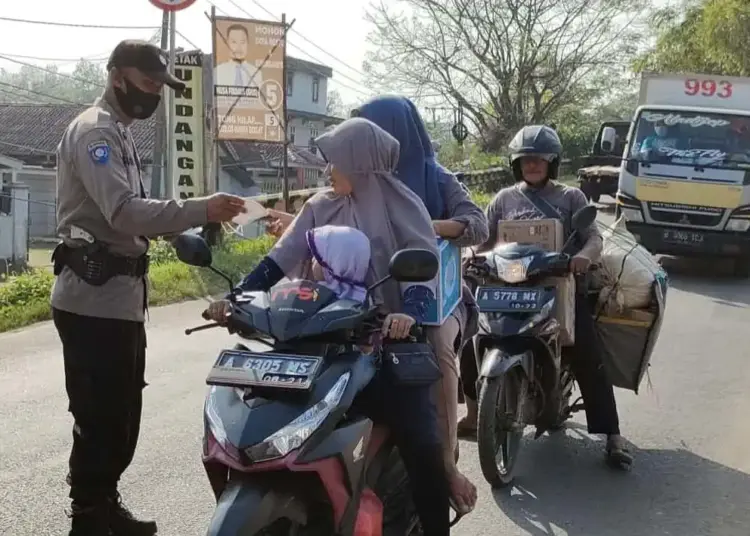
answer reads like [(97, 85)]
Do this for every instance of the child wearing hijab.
[(340, 260)]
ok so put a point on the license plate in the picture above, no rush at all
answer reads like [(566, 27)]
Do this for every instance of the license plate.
[(242, 368), (690, 238), (505, 300)]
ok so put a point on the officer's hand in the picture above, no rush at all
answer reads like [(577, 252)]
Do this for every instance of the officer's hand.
[(397, 326), (218, 311), (224, 207), (580, 264)]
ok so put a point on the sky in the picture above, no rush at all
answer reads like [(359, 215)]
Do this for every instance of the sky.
[(340, 45)]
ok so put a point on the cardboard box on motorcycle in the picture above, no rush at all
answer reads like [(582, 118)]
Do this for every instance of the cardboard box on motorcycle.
[(548, 234), (446, 286)]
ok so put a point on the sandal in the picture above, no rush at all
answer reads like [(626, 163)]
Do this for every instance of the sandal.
[(618, 454)]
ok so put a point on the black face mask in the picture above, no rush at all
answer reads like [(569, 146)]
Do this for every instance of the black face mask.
[(136, 103)]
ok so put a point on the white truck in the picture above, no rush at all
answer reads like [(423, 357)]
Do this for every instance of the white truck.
[(684, 185)]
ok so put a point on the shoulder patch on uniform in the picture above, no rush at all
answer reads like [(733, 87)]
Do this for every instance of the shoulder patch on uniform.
[(99, 152)]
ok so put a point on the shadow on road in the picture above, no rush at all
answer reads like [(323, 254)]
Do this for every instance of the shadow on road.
[(561, 485)]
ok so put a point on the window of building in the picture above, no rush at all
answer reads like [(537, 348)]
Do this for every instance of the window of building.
[(292, 133), (315, 89), (289, 84)]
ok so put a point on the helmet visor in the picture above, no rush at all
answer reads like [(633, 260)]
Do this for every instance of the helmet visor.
[(549, 157)]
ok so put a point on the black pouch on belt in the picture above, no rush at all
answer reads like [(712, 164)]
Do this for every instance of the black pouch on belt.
[(410, 363), (96, 265)]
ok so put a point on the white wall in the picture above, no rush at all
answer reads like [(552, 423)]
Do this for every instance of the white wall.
[(42, 205), (302, 92), (14, 229), (6, 240), (303, 130)]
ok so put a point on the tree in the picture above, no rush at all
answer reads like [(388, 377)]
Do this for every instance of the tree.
[(710, 37), (506, 62), (335, 105), (48, 85)]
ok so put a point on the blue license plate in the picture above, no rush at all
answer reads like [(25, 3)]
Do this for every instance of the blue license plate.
[(510, 299)]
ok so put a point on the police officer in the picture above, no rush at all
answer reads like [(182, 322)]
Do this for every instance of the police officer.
[(99, 296)]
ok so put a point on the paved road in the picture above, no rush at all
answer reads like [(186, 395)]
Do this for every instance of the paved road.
[(692, 474)]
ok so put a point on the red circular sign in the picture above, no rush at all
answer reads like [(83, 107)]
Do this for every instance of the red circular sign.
[(172, 5)]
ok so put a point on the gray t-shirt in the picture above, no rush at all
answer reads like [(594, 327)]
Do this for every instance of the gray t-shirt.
[(99, 190), (513, 203)]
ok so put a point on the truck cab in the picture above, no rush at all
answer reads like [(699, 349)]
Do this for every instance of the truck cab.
[(601, 169), (684, 182)]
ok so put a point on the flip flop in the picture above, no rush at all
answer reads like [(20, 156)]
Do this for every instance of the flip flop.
[(618, 455)]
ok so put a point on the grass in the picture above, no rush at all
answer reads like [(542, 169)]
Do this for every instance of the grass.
[(24, 299)]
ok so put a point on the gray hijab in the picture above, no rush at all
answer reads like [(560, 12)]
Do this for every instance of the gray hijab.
[(382, 207)]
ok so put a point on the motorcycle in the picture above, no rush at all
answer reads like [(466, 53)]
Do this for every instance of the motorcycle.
[(523, 379), (283, 449)]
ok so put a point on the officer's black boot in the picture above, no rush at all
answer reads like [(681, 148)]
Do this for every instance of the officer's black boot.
[(123, 523), (90, 519)]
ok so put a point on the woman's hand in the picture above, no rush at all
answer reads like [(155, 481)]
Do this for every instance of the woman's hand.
[(448, 228), (397, 326), (279, 221), (218, 311)]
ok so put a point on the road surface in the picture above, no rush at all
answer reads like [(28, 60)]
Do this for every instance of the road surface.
[(691, 477)]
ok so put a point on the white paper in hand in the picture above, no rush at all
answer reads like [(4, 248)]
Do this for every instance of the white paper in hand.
[(253, 211)]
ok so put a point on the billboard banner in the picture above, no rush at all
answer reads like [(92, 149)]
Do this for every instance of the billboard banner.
[(248, 79), (187, 133)]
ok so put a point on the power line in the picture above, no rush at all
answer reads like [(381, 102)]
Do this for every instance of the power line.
[(76, 25), (316, 71), (50, 71), (344, 75), (324, 51), (19, 88), (92, 59)]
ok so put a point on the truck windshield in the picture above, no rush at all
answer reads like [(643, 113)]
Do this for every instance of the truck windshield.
[(692, 138)]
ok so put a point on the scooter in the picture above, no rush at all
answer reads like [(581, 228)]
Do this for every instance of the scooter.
[(283, 449), (523, 379)]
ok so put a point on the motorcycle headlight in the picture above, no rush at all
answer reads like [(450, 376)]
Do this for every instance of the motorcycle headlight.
[(294, 434), (512, 271)]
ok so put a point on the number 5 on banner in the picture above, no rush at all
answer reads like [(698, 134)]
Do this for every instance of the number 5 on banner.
[(272, 92)]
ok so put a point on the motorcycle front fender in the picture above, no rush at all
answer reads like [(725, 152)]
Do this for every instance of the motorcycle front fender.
[(245, 508), (497, 362)]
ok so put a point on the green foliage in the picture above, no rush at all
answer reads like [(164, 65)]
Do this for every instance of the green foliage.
[(482, 199), (82, 86), (710, 37), (26, 288), (24, 299)]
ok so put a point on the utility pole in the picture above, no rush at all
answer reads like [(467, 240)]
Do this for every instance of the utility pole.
[(285, 117), (158, 171), (169, 186)]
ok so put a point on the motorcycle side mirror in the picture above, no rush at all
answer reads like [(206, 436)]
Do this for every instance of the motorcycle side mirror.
[(413, 266), (193, 250), (584, 217)]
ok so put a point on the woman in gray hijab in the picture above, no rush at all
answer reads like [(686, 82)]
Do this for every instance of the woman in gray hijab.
[(366, 196)]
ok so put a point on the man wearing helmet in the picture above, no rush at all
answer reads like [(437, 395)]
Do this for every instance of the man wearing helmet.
[(535, 161)]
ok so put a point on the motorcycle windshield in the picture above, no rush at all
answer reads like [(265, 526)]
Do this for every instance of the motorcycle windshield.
[(293, 304)]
